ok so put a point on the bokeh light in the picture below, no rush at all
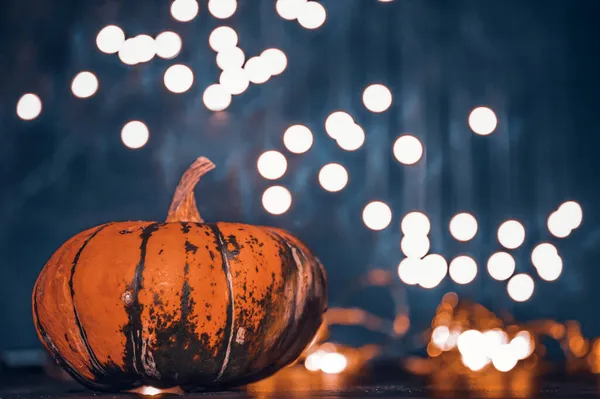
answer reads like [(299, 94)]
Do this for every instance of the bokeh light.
[(493, 340), (520, 287), (463, 269), (110, 39), (231, 58), (29, 106), (440, 335), (572, 212), (522, 345), (352, 138), (128, 52), (313, 361), (277, 200), (333, 177), (178, 78), (216, 98), (551, 268), (149, 391), (312, 15), (408, 150), (333, 363), (377, 98), (184, 10), (415, 223), (558, 225), (433, 269), (135, 134), (542, 253), (222, 9), (298, 139), (275, 60), (475, 361), (84, 84), (234, 81), (504, 358), (337, 123), (511, 234), (289, 9), (483, 121), (145, 48), (471, 342), (222, 38), (271, 165), (463, 226), (257, 70), (409, 270), (168, 45), (414, 246), (501, 265), (377, 215)]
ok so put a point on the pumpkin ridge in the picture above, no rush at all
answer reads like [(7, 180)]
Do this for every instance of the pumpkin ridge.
[(220, 243), (133, 329), (63, 362), (94, 362)]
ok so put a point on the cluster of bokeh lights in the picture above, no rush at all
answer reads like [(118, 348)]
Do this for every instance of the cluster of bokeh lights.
[(238, 72)]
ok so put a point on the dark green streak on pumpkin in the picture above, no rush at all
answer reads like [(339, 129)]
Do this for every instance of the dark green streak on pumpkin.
[(133, 329), (222, 248), (96, 367)]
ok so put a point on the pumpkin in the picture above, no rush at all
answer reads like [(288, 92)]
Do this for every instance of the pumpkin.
[(180, 303)]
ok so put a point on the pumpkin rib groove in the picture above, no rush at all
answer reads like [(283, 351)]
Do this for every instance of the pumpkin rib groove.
[(55, 354), (94, 362), (220, 242), (133, 329)]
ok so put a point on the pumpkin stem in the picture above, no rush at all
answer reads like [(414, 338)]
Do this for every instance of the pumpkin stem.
[(183, 207)]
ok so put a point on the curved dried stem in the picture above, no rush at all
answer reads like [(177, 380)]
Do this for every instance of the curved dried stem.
[(183, 207)]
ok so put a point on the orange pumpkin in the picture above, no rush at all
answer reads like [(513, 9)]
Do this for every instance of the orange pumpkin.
[(180, 303)]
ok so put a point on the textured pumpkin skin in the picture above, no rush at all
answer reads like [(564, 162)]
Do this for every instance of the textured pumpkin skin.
[(195, 305)]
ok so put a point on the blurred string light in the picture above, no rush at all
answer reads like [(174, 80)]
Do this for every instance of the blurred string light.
[(433, 270), (145, 48), (463, 269), (84, 84), (29, 106), (501, 266), (298, 139), (184, 10), (414, 246), (377, 215), (483, 121), (409, 270), (352, 138), (408, 150), (222, 9), (312, 15), (520, 287), (271, 165), (337, 123), (168, 45), (333, 177), (234, 81), (216, 98), (415, 223), (277, 200), (110, 39), (128, 52), (289, 9), (257, 70), (135, 134), (178, 78), (547, 261), (222, 38), (231, 58), (275, 61), (327, 362), (463, 226), (377, 98), (511, 234), (565, 219)]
